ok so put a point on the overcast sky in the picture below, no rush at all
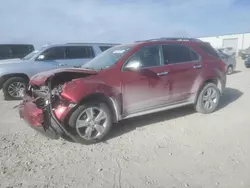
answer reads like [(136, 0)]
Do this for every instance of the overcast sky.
[(56, 21)]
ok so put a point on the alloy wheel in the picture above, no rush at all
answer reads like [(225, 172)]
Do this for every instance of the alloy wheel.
[(91, 123), (229, 70), (210, 98), (16, 89)]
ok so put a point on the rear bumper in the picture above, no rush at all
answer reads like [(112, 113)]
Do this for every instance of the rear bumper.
[(39, 119), (223, 81)]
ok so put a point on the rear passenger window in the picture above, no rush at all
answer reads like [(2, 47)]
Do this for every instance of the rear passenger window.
[(176, 54), (79, 52), (103, 48), (210, 50), (194, 55)]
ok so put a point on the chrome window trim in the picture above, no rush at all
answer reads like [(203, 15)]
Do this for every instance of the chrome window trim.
[(161, 57)]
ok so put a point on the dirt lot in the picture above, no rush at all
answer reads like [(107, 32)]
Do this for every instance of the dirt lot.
[(177, 148)]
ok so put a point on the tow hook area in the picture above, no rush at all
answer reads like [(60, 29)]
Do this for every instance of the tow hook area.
[(45, 113), (51, 114)]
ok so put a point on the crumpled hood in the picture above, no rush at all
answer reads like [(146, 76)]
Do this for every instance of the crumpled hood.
[(41, 78)]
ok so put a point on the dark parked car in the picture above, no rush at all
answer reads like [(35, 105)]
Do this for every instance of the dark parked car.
[(247, 62), (123, 82), (244, 54), (15, 51)]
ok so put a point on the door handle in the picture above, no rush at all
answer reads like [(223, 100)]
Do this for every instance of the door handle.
[(61, 64), (162, 73), (77, 66), (197, 66)]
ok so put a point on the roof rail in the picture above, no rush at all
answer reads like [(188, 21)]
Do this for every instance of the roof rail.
[(92, 43), (172, 38)]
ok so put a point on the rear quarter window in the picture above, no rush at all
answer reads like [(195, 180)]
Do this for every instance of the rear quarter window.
[(104, 48), (209, 49)]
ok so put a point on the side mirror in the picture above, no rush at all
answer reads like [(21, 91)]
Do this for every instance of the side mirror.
[(133, 65), (40, 57)]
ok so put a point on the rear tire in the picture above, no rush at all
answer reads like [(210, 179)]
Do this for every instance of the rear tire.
[(208, 99), (14, 87), (230, 70), (85, 120)]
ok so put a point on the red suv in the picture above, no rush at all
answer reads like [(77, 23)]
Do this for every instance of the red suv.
[(123, 82)]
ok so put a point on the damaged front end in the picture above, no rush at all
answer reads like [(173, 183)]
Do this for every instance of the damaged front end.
[(45, 109)]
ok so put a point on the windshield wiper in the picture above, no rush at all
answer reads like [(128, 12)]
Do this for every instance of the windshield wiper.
[(90, 68)]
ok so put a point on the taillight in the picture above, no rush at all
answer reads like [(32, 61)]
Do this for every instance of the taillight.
[(223, 66)]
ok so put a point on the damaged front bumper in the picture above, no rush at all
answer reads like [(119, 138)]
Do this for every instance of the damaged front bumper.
[(45, 121), (44, 106)]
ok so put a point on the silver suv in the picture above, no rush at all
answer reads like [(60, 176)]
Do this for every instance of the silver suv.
[(14, 75)]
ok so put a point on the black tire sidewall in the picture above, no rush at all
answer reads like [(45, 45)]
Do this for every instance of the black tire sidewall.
[(6, 84), (199, 104), (73, 117)]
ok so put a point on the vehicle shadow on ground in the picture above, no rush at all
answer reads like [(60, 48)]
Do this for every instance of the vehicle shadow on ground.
[(125, 126), (236, 72), (128, 125), (230, 95)]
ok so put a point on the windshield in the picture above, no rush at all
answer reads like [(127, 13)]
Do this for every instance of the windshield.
[(107, 58), (30, 55)]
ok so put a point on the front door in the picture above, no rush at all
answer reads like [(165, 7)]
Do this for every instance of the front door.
[(185, 67), (147, 87), (53, 57)]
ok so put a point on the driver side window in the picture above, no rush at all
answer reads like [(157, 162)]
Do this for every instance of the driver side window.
[(148, 56), (54, 53)]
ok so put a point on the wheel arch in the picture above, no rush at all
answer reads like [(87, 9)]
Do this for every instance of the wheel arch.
[(110, 101), (5, 77), (214, 80)]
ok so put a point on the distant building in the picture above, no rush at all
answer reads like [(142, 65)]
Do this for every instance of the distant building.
[(235, 41)]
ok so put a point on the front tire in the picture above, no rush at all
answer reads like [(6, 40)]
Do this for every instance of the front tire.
[(13, 88), (208, 99), (91, 122)]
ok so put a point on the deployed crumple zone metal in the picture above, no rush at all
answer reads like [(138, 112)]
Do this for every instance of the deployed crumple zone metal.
[(48, 97)]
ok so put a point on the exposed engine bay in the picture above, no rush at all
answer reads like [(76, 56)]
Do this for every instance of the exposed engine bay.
[(50, 91)]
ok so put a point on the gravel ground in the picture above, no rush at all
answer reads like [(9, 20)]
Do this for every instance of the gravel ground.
[(177, 148)]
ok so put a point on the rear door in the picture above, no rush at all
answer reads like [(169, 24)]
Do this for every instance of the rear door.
[(185, 67), (76, 56)]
